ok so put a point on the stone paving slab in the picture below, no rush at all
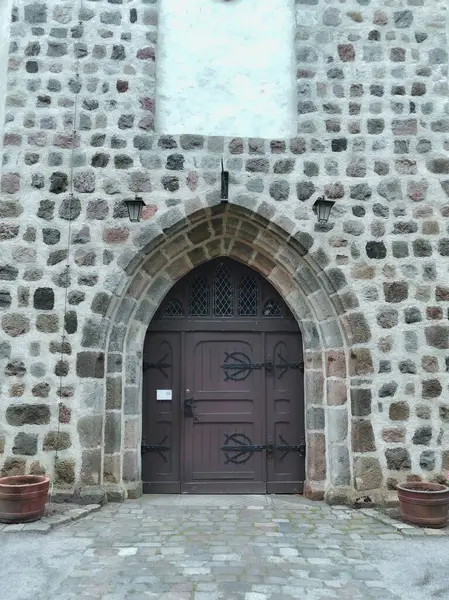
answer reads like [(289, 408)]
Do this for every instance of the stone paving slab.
[(55, 515), (225, 547), (216, 548), (405, 528)]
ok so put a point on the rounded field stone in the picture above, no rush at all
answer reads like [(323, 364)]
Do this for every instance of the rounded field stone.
[(15, 324)]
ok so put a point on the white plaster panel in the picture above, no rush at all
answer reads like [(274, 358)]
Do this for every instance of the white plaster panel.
[(226, 68)]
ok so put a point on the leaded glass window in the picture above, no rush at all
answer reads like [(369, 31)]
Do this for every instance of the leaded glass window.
[(223, 292), (272, 308), (248, 297), (173, 308), (199, 297)]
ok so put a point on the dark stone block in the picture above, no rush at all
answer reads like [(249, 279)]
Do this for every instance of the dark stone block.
[(400, 249), (304, 190), (25, 443), (71, 322), (90, 431), (58, 182), (427, 460), (191, 142), (422, 436), (76, 297), (358, 328), (27, 414), (360, 402), (362, 436), (113, 393), (57, 440), (437, 336), (64, 472), (388, 389), (46, 209), (51, 236), (175, 162), (90, 364), (170, 184), (396, 291), (257, 165), (443, 247), (376, 250), (70, 209), (398, 459), (315, 418), (112, 432), (431, 388), (280, 190), (387, 318), (407, 366), (15, 368)]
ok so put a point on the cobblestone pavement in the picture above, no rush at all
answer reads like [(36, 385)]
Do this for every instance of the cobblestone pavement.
[(211, 548)]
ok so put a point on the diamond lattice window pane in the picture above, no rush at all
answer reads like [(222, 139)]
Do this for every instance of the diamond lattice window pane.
[(174, 308), (248, 297), (223, 292), (272, 308), (199, 298)]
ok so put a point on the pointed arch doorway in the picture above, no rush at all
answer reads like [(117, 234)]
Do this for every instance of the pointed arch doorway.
[(223, 394)]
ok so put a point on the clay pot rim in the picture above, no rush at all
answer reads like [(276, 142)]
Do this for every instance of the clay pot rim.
[(410, 487), (13, 481)]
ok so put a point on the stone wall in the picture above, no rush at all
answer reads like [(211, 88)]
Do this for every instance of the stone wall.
[(370, 286), (5, 20)]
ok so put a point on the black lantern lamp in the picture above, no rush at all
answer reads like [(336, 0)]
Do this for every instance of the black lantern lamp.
[(322, 208), (135, 208), (224, 183)]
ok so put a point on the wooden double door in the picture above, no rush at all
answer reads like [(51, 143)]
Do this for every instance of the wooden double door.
[(223, 407)]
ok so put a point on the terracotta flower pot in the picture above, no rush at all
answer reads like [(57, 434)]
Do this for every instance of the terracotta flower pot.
[(22, 498), (424, 504)]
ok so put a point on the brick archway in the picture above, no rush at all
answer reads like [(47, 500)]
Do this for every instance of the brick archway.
[(316, 292)]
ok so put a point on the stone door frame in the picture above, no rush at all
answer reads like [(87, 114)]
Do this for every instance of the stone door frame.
[(317, 293)]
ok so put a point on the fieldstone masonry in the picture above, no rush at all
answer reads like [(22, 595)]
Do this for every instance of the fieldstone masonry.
[(79, 283)]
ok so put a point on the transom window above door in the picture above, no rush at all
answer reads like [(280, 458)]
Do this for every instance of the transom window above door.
[(223, 288)]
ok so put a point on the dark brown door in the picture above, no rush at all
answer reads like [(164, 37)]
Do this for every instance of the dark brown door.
[(161, 417), (223, 402), (223, 412), (285, 413)]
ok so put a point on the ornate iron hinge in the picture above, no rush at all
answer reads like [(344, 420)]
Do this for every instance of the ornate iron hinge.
[(158, 448), (238, 366), (239, 448), (285, 448), (160, 365)]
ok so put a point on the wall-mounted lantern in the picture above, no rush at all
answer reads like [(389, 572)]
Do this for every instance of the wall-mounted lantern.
[(135, 208), (322, 208), (224, 183)]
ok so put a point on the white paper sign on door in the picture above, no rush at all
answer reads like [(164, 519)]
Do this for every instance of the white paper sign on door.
[(163, 395)]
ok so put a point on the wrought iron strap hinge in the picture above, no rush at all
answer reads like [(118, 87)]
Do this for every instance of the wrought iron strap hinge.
[(160, 365), (158, 448), (238, 366), (285, 448)]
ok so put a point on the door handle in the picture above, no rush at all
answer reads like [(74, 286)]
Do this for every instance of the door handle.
[(189, 409)]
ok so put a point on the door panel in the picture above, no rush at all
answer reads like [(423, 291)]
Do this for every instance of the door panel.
[(285, 413), (228, 412), (161, 417), (225, 341)]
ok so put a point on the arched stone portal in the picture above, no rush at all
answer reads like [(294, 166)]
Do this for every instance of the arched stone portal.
[(315, 291)]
